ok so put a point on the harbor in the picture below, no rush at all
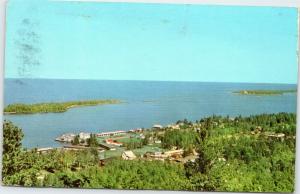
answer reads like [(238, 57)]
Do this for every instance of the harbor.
[(129, 145)]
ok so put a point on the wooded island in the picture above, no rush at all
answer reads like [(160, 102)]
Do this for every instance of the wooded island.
[(53, 107), (264, 92)]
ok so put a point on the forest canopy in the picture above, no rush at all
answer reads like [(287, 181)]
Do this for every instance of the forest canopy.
[(242, 154)]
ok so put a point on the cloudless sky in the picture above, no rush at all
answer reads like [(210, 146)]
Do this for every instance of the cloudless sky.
[(129, 41)]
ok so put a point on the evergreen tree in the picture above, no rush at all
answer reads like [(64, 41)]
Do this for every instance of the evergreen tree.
[(76, 140), (92, 141), (12, 137)]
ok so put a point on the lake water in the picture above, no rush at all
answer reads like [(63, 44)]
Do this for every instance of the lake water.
[(145, 103)]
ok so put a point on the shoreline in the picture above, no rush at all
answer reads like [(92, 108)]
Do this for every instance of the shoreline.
[(174, 81)]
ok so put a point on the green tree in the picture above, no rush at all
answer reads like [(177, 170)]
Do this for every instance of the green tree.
[(12, 147), (76, 140), (92, 141)]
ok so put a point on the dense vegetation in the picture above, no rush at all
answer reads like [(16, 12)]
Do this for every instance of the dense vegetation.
[(242, 155), (52, 107), (180, 138), (255, 153), (264, 92)]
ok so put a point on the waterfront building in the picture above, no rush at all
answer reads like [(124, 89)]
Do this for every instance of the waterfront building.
[(112, 133)]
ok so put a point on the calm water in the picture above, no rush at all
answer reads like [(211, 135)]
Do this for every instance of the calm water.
[(146, 104)]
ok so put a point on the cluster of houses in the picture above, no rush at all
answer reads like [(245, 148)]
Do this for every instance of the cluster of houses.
[(111, 143), (259, 130), (171, 154), (177, 126), (138, 130), (69, 137), (174, 155)]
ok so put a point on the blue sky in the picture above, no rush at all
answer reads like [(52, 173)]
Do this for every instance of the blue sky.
[(127, 41)]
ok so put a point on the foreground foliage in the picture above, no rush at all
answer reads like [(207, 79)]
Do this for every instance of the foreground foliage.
[(255, 153)]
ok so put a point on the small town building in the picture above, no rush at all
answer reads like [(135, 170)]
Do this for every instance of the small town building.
[(173, 153), (84, 136), (277, 135), (142, 136), (44, 150), (113, 142), (128, 155), (112, 133), (157, 141), (68, 137), (157, 127), (138, 130)]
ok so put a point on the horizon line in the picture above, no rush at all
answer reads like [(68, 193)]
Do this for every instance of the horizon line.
[(85, 79)]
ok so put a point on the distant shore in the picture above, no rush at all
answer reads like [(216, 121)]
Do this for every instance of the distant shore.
[(53, 107), (264, 92)]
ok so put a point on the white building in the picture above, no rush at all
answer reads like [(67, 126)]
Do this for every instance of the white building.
[(128, 155), (68, 137), (157, 127), (112, 133), (84, 136)]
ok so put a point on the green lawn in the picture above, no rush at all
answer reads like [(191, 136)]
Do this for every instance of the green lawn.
[(124, 138), (138, 152), (129, 140), (147, 148), (113, 153)]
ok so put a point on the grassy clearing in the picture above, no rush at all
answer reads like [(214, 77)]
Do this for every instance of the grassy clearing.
[(114, 153), (129, 140), (148, 148)]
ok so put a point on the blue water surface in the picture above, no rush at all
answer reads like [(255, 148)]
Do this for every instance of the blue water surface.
[(145, 103)]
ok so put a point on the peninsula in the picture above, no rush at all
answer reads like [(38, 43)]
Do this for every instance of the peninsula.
[(53, 107)]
